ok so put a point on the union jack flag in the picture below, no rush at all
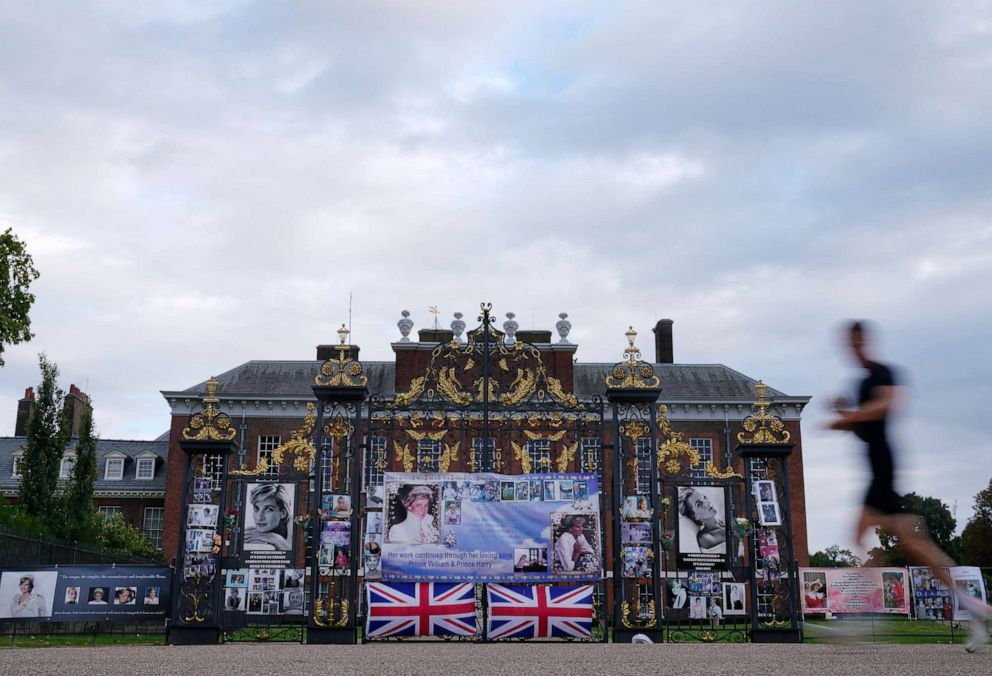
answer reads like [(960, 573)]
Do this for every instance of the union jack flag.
[(420, 609), (539, 611)]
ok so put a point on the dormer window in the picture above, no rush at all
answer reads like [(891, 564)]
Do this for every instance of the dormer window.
[(144, 466), (114, 467), (15, 471), (65, 467)]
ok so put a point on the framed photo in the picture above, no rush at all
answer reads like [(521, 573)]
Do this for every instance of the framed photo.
[(235, 599), (635, 533), (702, 530), (697, 607), (202, 516), (413, 513), (575, 542), (636, 508), (733, 598), (636, 561), (27, 594), (269, 517), (237, 577), (125, 596), (335, 506), (764, 491), (769, 514)]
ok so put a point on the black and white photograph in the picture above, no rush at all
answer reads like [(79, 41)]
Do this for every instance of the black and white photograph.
[(678, 594), (636, 561), (292, 578), (375, 496), (702, 528), (71, 596), (768, 514), (292, 602), (413, 514), (764, 491), (530, 560), (203, 485), (269, 517), (203, 516), (373, 569), (254, 603), (632, 533), (235, 599), (373, 522), (733, 598), (27, 594), (575, 542)]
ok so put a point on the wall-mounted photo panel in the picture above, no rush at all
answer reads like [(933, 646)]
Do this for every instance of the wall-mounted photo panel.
[(702, 529)]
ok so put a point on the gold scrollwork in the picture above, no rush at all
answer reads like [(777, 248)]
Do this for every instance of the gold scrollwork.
[(566, 456), (404, 455), (299, 445), (520, 453), (522, 387), (674, 446), (638, 622), (323, 613), (343, 371), (435, 435), (416, 389), (535, 436), (713, 472), (448, 383), (635, 430), (447, 455), (762, 427), (211, 424), (632, 373)]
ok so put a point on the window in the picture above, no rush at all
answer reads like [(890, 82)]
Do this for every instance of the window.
[(375, 461), (108, 512), (213, 469), (590, 458), (154, 518), (705, 449), (267, 443), (645, 459), (144, 469), (539, 452), (428, 456), (759, 468), (15, 471), (482, 460), (114, 469), (65, 467)]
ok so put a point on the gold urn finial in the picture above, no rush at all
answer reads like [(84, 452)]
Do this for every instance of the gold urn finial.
[(211, 424), (632, 373), (762, 427)]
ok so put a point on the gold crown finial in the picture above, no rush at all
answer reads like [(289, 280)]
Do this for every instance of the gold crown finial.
[(211, 424), (632, 372)]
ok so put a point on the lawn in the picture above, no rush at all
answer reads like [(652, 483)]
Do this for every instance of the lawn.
[(53, 641), (883, 630)]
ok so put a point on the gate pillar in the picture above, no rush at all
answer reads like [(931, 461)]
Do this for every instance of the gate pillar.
[(633, 389), (196, 585), (341, 390)]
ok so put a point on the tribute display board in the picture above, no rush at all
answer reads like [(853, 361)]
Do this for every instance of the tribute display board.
[(487, 527), (855, 590), (85, 593)]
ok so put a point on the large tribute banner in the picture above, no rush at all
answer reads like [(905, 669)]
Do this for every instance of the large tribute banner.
[(855, 590), (491, 528), (85, 593)]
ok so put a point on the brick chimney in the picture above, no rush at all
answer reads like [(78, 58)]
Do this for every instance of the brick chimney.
[(664, 350), (325, 352), (24, 413), (76, 401)]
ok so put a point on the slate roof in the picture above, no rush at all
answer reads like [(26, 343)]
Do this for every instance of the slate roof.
[(294, 379), (128, 484)]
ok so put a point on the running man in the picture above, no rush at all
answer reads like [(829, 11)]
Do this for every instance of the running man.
[(880, 394)]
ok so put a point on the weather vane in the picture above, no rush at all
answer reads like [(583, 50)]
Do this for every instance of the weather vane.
[(434, 311)]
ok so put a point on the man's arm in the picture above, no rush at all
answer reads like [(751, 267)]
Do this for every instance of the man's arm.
[(884, 399)]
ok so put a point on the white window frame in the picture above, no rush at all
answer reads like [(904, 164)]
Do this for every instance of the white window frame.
[(144, 460), (108, 512), (154, 534), (704, 446), (213, 469), (15, 468), (66, 464), (267, 443), (116, 476)]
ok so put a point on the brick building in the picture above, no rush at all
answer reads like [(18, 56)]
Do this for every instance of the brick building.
[(130, 473), (267, 399)]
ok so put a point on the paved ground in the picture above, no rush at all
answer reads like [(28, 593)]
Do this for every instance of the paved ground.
[(468, 660)]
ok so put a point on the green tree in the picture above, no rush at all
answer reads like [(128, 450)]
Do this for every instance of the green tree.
[(834, 557), (16, 274), (46, 441), (976, 539), (936, 519), (78, 497)]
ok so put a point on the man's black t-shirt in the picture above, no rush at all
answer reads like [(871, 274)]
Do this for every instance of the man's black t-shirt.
[(881, 493)]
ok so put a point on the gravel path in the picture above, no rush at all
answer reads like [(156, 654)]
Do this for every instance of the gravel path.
[(468, 660)]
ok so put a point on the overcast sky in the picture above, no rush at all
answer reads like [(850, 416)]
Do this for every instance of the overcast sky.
[(204, 183)]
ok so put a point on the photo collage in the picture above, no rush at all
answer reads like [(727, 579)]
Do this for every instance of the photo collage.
[(334, 557), (766, 501), (704, 595), (768, 559), (636, 538), (265, 591), (202, 538)]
